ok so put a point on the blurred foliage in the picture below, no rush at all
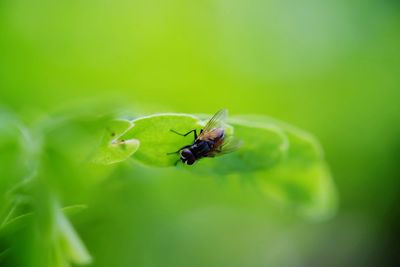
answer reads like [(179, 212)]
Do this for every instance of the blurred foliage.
[(285, 162), (68, 68), (277, 157)]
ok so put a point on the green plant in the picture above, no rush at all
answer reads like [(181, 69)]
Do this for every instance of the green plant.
[(281, 161), (286, 163)]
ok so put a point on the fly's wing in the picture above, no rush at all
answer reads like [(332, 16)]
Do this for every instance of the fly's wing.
[(213, 135), (215, 130), (215, 127), (229, 145), (217, 121)]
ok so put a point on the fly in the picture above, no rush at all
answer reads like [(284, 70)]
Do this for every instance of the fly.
[(212, 141)]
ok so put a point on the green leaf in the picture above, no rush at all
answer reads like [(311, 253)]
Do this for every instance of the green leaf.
[(263, 147), (113, 148), (156, 139), (74, 209), (22, 220), (286, 163), (302, 180), (70, 242), (308, 190)]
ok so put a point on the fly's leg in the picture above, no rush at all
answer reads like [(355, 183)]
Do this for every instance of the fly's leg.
[(176, 152), (187, 146), (192, 131)]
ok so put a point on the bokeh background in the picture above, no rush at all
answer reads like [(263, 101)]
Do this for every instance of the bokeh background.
[(330, 67)]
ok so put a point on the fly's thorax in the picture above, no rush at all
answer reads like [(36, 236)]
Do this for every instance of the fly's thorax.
[(201, 148)]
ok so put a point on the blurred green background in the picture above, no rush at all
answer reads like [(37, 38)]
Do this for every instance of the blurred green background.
[(330, 67)]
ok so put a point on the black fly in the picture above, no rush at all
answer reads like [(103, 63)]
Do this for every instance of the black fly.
[(211, 141)]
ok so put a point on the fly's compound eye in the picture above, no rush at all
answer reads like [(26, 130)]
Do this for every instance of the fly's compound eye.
[(186, 153), (187, 157)]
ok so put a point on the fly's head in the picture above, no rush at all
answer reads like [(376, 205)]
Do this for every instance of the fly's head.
[(187, 157)]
